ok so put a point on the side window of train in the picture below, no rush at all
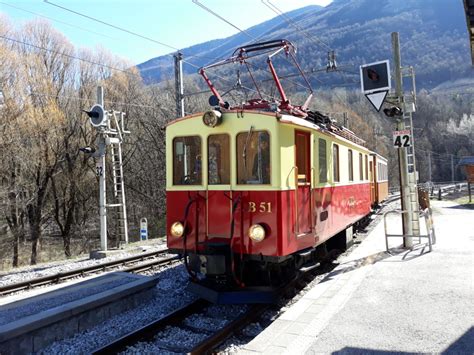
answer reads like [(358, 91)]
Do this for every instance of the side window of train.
[(187, 161), (323, 174), (350, 159), (335, 162), (218, 159), (253, 157), (361, 167)]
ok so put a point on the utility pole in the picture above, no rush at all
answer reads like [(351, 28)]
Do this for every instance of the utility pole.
[(452, 168), (429, 166), (345, 120), (179, 86)]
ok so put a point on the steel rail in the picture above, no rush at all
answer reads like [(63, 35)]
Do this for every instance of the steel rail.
[(79, 272), (209, 344), (148, 332)]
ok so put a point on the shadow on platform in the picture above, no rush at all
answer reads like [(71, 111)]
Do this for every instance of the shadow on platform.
[(463, 345), (466, 206)]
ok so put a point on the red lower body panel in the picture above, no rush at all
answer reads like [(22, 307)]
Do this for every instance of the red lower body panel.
[(292, 222)]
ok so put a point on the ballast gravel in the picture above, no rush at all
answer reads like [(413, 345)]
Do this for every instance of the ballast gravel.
[(168, 295), (33, 272)]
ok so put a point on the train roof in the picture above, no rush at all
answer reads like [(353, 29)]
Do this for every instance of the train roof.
[(325, 125)]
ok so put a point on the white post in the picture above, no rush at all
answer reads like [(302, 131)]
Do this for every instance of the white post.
[(101, 172)]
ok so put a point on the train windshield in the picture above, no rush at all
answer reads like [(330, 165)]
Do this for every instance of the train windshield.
[(187, 161), (218, 160), (253, 157)]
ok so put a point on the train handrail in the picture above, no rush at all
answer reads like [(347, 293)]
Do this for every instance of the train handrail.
[(311, 207), (297, 227), (427, 214)]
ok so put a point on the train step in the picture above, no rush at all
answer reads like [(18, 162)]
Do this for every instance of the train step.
[(309, 267), (305, 253)]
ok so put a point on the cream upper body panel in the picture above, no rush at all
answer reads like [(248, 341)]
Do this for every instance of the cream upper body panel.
[(281, 129), (232, 124)]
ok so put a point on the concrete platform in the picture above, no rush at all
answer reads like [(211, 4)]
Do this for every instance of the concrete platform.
[(31, 324), (377, 302)]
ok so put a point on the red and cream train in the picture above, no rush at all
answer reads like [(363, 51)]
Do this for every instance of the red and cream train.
[(254, 193)]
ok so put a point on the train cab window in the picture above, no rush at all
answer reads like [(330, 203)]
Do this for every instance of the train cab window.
[(361, 167), (253, 157), (187, 163), (218, 159), (323, 175), (351, 165), (335, 162)]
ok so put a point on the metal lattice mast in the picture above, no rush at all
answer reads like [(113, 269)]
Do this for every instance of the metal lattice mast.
[(110, 128)]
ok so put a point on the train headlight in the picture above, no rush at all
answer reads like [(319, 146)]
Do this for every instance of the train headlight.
[(257, 233), (212, 118), (177, 229)]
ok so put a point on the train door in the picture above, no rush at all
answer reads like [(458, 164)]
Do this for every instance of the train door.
[(219, 205), (303, 183), (372, 181)]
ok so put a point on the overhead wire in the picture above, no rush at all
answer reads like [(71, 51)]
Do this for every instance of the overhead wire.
[(88, 99), (58, 21), (111, 25), (220, 17), (313, 38), (124, 30), (69, 56)]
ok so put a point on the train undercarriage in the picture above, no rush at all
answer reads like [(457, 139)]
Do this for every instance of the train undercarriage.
[(223, 277)]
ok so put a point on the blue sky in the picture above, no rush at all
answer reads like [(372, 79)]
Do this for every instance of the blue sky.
[(179, 23)]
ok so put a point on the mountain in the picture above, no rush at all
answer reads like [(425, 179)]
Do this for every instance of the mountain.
[(156, 69), (432, 32)]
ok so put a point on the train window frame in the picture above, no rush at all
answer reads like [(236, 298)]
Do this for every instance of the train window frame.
[(350, 164), (239, 181), (361, 167), (199, 181), (227, 163), (322, 174), (366, 167), (335, 163)]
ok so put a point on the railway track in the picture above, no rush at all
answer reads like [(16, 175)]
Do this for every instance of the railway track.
[(201, 339), (214, 330), (56, 278)]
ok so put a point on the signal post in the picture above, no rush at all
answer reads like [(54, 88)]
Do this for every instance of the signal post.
[(375, 84), (110, 129)]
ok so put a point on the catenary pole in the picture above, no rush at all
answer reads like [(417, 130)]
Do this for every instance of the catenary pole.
[(402, 152), (179, 86), (429, 166), (452, 168)]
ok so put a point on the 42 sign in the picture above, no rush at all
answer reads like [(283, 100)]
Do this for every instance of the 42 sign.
[(402, 139)]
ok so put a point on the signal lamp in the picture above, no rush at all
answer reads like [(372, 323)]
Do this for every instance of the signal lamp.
[(373, 75), (97, 116), (177, 229), (212, 118), (257, 232), (393, 111), (87, 150)]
